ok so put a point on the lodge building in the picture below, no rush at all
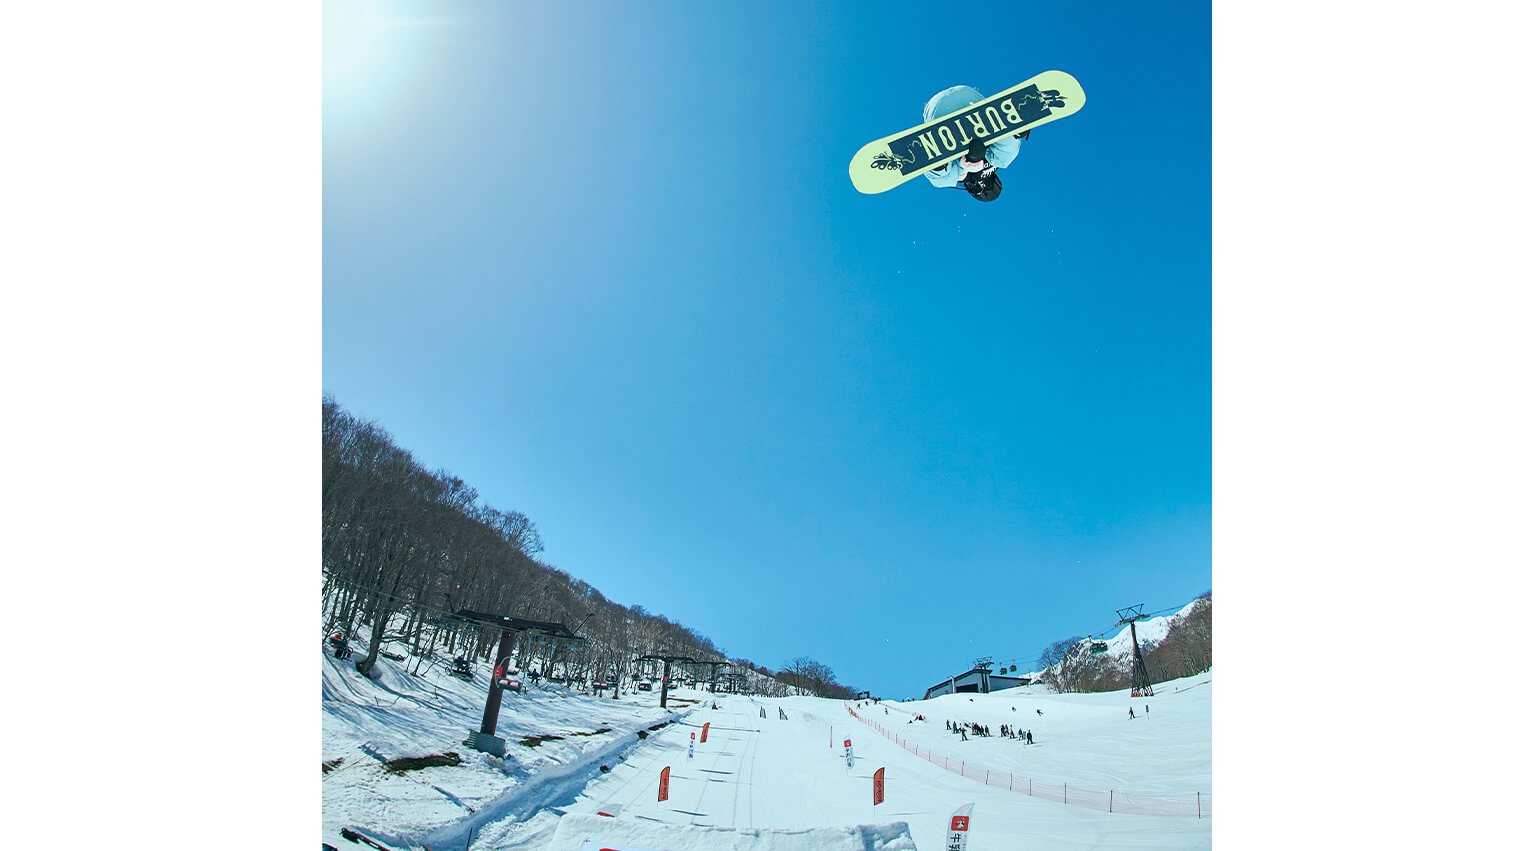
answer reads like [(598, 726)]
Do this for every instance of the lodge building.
[(978, 680)]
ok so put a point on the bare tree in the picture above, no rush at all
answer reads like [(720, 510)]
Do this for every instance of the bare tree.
[(403, 547), (1056, 652)]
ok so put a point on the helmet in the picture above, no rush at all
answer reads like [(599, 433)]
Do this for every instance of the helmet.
[(983, 185)]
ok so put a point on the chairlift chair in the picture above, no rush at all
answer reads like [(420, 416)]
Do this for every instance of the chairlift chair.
[(505, 676), (462, 669), (337, 641)]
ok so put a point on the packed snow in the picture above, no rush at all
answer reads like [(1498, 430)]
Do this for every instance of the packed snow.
[(772, 775)]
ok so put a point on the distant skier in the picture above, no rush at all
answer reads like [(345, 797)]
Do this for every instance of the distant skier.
[(976, 170), (1029, 734), (1040, 711), (1131, 713)]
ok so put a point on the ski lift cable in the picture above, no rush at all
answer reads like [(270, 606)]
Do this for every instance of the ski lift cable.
[(1103, 635)]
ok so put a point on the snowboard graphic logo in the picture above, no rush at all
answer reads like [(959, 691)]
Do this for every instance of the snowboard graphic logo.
[(885, 163), (981, 121)]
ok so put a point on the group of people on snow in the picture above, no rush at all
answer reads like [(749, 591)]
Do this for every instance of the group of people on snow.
[(967, 728)]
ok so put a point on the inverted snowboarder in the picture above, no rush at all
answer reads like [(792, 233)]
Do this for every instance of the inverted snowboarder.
[(975, 172), (960, 123)]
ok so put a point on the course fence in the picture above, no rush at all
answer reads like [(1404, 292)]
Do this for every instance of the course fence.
[(1195, 805)]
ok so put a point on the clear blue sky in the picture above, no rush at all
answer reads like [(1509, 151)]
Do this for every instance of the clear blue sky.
[(603, 261)]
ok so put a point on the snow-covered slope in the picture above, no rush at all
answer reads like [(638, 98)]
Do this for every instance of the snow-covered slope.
[(771, 777)]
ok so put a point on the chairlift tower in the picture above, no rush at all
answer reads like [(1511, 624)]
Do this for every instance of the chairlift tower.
[(1139, 679), (713, 673), (665, 677), (542, 631)]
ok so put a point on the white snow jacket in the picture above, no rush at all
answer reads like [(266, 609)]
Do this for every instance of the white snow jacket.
[(1000, 153)]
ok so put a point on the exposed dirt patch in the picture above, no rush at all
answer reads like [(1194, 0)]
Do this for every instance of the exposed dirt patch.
[(413, 763), (327, 767), (535, 741)]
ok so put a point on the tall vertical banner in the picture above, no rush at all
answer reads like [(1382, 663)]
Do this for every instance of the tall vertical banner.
[(665, 784), (958, 828), (691, 737), (878, 787), (704, 737), (848, 745)]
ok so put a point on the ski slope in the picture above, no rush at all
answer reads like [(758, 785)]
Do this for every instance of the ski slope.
[(771, 777)]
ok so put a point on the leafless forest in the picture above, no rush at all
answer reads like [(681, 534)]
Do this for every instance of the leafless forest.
[(404, 547)]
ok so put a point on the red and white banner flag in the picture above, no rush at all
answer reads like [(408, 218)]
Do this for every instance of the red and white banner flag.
[(848, 744), (665, 784), (878, 787), (958, 828)]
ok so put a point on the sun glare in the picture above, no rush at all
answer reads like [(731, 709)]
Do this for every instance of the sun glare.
[(372, 54)]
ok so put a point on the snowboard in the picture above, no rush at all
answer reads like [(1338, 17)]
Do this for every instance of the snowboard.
[(883, 164)]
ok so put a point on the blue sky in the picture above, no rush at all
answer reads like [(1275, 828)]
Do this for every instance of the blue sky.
[(582, 360), (603, 261)]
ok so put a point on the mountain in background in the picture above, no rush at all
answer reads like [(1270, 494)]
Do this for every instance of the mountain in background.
[(1179, 645)]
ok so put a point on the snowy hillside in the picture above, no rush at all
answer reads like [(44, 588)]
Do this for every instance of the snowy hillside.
[(772, 775), (1082, 670)]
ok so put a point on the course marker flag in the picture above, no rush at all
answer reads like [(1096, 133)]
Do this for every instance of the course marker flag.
[(958, 828)]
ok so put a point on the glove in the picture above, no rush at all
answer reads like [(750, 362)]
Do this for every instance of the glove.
[(974, 160)]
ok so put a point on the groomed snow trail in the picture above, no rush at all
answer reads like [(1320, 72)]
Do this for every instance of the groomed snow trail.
[(763, 781)]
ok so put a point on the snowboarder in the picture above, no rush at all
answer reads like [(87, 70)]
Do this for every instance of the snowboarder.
[(975, 172), (1029, 734), (1040, 711)]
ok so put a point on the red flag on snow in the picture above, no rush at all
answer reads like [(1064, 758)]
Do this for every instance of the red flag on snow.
[(665, 784), (878, 787)]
